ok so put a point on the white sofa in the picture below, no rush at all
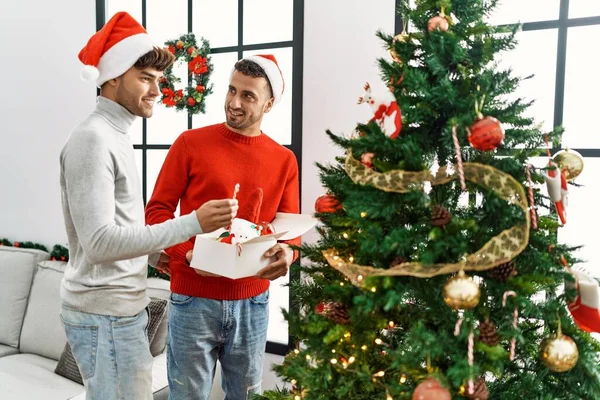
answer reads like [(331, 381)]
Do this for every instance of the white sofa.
[(31, 334)]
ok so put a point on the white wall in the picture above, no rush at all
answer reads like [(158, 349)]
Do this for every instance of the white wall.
[(42, 100), (340, 55)]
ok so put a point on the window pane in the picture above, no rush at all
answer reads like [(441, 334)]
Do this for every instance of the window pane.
[(166, 124), (584, 8), (535, 54), (155, 160), (133, 7), (581, 87), (279, 298), (138, 163), (268, 21), (582, 222), (222, 65), (216, 21), (166, 20), (513, 11), (135, 132), (277, 124)]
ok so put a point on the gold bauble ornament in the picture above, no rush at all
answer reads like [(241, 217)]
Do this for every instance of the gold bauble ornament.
[(402, 38), (461, 292), (559, 352), (570, 162)]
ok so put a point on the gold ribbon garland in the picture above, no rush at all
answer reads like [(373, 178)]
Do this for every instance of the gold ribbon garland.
[(498, 250)]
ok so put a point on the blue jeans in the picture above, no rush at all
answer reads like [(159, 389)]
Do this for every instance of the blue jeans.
[(112, 353), (202, 331)]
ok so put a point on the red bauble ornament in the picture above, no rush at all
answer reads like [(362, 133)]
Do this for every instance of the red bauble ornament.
[(327, 203), (190, 50), (486, 134), (179, 44), (199, 88), (438, 22), (266, 228), (191, 102), (430, 389)]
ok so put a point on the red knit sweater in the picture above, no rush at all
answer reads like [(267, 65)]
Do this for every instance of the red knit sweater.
[(205, 164)]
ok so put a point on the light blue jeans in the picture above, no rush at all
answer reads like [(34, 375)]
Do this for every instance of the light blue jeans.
[(112, 353), (202, 331)]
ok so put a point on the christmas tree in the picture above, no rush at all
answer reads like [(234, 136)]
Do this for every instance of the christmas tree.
[(438, 274)]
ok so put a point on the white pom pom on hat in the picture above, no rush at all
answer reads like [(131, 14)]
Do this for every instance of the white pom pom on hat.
[(89, 73), (115, 48)]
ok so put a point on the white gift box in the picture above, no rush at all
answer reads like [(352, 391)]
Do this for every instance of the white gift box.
[(230, 261)]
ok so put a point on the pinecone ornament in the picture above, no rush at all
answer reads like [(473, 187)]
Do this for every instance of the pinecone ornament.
[(503, 271), (334, 311), (440, 216), (480, 391), (488, 333)]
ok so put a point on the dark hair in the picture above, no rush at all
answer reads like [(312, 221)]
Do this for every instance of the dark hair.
[(250, 68), (157, 58)]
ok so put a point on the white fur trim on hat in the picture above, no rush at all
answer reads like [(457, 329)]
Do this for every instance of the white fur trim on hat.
[(273, 74), (122, 56)]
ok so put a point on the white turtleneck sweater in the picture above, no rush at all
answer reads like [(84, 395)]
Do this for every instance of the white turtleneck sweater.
[(104, 217)]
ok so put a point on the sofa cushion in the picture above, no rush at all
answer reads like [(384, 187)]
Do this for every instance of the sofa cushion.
[(27, 376), (17, 267), (43, 333), (159, 288), (67, 366), (157, 310), (7, 350)]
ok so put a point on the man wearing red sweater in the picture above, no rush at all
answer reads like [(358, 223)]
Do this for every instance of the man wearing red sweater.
[(212, 317)]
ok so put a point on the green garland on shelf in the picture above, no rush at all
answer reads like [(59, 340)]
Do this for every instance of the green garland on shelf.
[(61, 253)]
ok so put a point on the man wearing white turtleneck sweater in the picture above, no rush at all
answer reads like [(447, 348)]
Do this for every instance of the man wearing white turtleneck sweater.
[(104, 286)]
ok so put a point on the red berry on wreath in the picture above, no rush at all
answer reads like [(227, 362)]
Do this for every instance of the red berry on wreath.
[(199, 88), (171, 49), (190, 50), (486, 133), (180, 44), (163, 79), (191, 102)]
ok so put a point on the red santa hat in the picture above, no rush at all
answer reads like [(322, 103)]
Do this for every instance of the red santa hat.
[(114, 49), (269, 64)]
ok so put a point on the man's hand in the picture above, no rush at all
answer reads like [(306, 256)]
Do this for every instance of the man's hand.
[(188, 257), (163, 264), (215, 214), (283, 259)]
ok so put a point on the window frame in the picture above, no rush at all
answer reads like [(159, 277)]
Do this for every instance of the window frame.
[(297, 45)]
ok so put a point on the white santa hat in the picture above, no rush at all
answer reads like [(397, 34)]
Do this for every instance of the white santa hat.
[(269, 64), (114, 49)]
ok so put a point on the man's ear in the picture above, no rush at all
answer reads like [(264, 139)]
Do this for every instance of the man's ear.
[(111, 82), (269, 105)]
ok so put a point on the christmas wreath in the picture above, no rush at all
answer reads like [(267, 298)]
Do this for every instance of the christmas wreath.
[(197, 58)]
